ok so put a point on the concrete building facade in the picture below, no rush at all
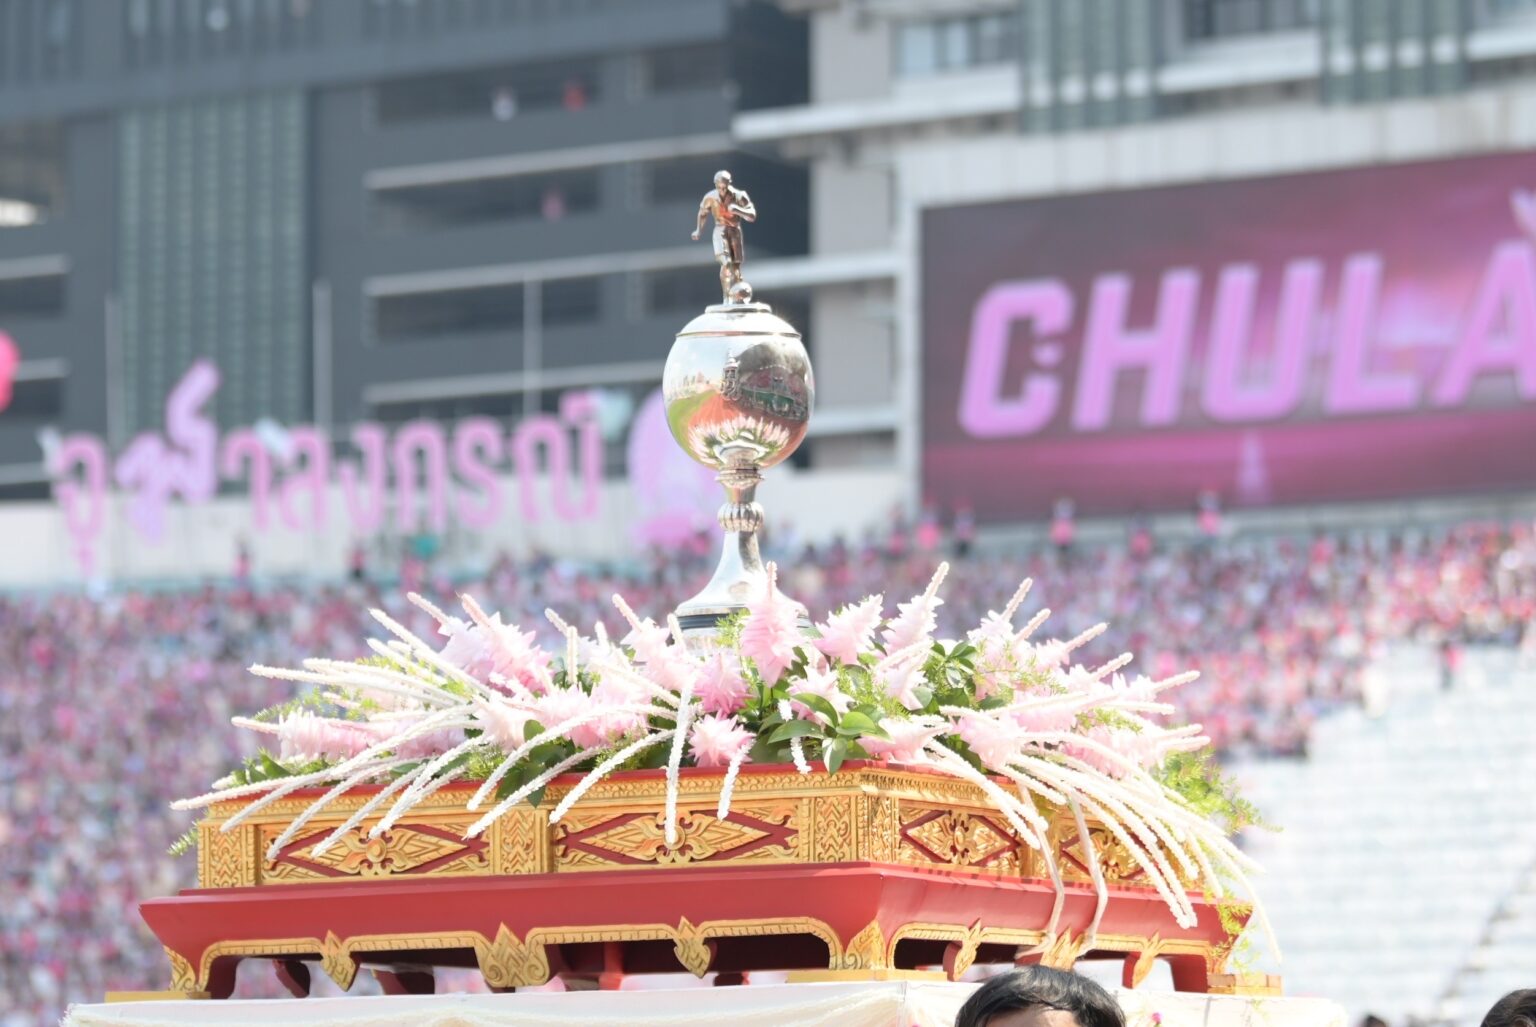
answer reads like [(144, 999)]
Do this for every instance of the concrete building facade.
[(920, 104), (365, 209)]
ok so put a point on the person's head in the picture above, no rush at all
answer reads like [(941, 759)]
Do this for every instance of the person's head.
[(1037, 996), (722, 180), (1517, 1009)]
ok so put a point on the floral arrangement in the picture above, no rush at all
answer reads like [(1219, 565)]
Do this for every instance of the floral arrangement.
[(1015, 717)]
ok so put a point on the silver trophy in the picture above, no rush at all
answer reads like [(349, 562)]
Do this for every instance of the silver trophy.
[(738, 390)]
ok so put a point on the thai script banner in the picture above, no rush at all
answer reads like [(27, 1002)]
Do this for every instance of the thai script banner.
[(1358, 334), (417, 476)]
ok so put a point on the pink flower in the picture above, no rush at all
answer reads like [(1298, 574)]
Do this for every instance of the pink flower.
[(665, 663), (824, 684), (425, 746), (498, 654), (1045, 718), (302, 736), (997, 656), (616, 691), (720, 687), (901, 682), (559, 706), (906, 741), (771, 632), (913, 623), (1049, 655), (1143, 749), (994, 742), (851, 630), (504, 721), (715, 741)]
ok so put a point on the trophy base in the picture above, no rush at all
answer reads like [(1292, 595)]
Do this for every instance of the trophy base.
[(740, 578)]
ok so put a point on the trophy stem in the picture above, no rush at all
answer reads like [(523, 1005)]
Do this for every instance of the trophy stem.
[(740, 575)]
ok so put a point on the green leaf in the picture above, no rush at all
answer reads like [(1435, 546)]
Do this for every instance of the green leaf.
[(923, 694), (834, 754), (185, 844), (764, 751), (270, 767), (854, 724), (817, 703), (656, 757), (515, 779), (795, 729), (536, 796)]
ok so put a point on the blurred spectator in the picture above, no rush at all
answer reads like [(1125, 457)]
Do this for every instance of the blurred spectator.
[(1139, 541), (1063, 525), (1208, 513), (503, 104), (964, 530), (1517, 1009)]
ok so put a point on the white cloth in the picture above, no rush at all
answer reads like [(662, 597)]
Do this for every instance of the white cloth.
[(896, 1004)]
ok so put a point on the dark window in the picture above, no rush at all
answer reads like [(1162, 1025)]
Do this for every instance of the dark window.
[(955, 44), (418, 316), (36, 399), (32, 174), (502, 94), (1214, 19), (37, 296), (684, 289), (547, 197), (685, 68), (456, 408), (25, 491), (687, 179), (1490, 11), (572, 300)]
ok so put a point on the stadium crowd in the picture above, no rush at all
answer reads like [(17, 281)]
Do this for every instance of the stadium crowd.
[(110, 706)]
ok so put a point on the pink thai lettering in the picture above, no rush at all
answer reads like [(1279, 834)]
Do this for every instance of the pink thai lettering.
[(308, 461), (478, 446), (1500, 332), (363, 490), (552, 436), (579, 410), (985, 411), (1110, 348), (10, 360), (187, 461), (82, 499), (245, 446), (1353, 386), (180, 463), (423, 440), (1229, 393)]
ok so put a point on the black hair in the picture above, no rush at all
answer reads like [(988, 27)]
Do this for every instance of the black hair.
[(1028, 986), (1517, 1009)]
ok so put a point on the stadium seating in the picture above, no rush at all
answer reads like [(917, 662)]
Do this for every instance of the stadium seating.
[(1407, 844)]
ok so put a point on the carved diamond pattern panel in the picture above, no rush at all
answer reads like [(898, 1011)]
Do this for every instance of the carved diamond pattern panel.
[(405, 849), (605, 839), (958, 838), (1116, 861)]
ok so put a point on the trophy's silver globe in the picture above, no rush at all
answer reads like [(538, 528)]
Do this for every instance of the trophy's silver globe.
[(738, 391), (738, 387)]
